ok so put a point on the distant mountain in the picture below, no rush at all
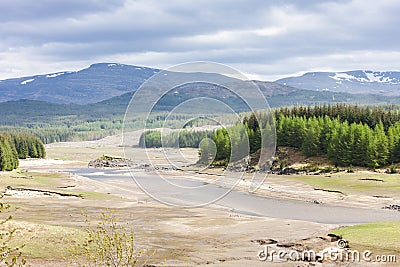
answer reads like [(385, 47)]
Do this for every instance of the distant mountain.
[(35, 112), (276, 95), (354, 82), (103, 81), (98, 82)]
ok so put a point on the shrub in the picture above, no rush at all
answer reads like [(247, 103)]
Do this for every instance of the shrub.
[(9, 255), (108, 243)]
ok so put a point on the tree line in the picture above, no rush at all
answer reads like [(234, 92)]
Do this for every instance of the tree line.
[(14, 146), (370, 115), (222, 145), (343, 143), (182, 139), (238, 141), (346, 135)]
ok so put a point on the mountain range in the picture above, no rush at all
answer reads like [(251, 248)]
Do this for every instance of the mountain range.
[(93, 84), (355, 82), (111, 83)]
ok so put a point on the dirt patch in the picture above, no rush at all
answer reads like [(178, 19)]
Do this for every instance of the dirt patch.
[(372, 179), (294, 158), (330, 191), (32, 193)]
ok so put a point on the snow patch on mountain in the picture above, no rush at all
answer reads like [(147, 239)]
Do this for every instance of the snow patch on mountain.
[(378, 77), (54, 74), (27, 81), (364, 77), (340, 76)]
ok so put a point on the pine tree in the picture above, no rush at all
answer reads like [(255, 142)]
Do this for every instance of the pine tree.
[(340, 148), (220, 142), (382, 145), (311, 141), (207, 151), (394, 142), (359, 145)]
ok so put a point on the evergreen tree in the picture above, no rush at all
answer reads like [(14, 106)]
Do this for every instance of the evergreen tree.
[(359, 145), (311, 143), (340, 148), (8, 153), (394, 143), (382, 145), (207, 151), (222, 144)]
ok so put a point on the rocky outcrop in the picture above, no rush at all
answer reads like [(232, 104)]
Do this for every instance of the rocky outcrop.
[(392, 207), (119, 163), (115, 162)]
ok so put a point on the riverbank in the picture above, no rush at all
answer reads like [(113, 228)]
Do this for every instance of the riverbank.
[(207, 236), (181, 237)]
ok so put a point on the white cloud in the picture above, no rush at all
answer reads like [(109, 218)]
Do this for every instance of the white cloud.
[(267, 39)]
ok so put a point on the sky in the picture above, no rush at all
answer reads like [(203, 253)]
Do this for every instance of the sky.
[(263, 39)]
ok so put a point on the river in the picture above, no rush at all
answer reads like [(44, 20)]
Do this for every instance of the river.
[(195, 192)]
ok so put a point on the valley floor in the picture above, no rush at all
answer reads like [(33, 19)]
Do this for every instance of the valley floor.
[(49, 222)]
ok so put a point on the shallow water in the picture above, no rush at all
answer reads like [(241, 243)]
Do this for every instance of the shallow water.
[(183, 192)]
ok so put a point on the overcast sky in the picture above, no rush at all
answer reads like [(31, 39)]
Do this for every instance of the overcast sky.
[(261, 38)]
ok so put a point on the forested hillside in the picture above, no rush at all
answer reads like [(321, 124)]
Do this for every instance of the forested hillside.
[(346, 135), (72, 122), (14, 146), (180, 139)]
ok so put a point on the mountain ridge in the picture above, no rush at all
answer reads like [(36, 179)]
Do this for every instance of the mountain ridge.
[(354, 81), (102, 81), (95, 83)]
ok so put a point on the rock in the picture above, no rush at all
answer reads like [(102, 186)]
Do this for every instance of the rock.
[(288, 171), (333, 237), (116, 162), (287, 245), (392, 207), (267, 241)]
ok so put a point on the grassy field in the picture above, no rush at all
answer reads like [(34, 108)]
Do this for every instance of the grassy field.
[(18, 178), (54, 182), (45, 241), (82, 154), (47, 226), (378, 236), (370, 183)]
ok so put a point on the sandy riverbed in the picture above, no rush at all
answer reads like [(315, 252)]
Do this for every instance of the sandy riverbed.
[(181, 237)]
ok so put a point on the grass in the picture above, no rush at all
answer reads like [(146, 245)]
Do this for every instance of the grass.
[(18, 178), (377, 236), (95, 195), (46, 241), (352, 183), (46, 181), (84, 154)]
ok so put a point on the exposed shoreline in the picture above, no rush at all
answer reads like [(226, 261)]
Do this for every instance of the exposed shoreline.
[(204, 236)]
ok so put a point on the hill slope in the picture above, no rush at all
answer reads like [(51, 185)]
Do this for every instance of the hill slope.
[(355, 82), (98, 82), (103, 81)]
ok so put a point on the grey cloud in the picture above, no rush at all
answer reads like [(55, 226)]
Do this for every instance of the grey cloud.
[(23, 10), (242, 32)]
